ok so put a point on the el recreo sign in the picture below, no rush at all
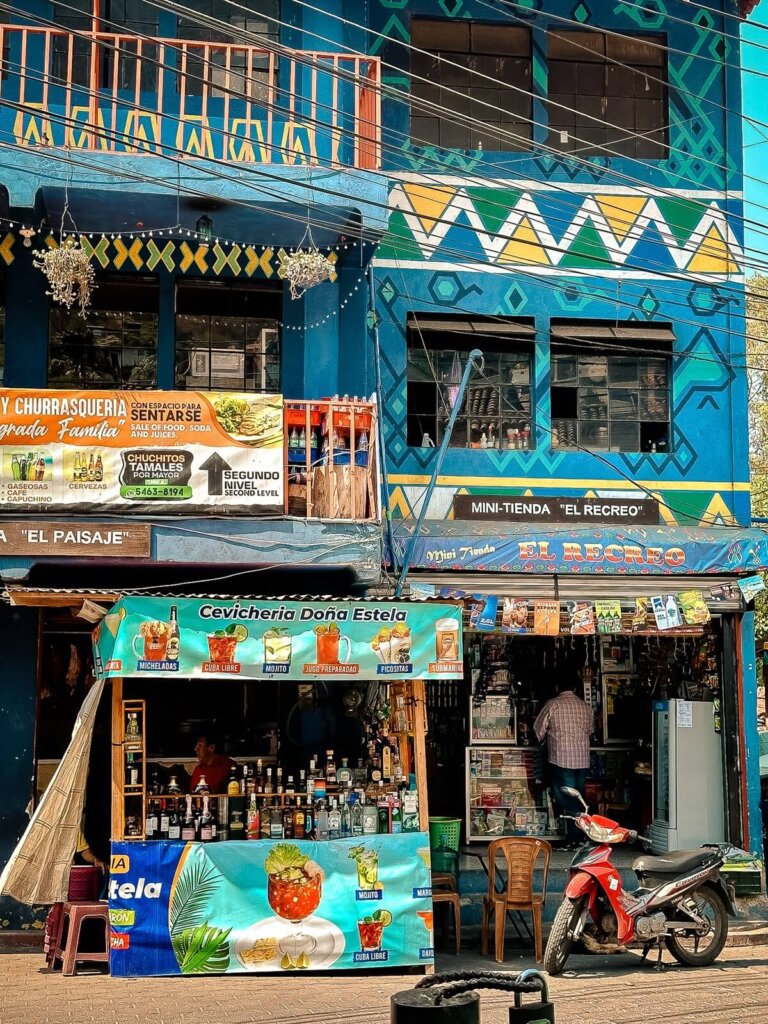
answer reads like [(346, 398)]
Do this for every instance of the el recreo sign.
[(513, 509)]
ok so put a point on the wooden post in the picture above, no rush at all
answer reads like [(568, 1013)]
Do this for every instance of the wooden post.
[(420, 749), (118, 763)]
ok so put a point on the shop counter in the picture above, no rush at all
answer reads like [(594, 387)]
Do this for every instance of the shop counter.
[(270, 905)]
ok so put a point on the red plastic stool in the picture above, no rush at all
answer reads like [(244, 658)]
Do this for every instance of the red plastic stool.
[(75, 914)]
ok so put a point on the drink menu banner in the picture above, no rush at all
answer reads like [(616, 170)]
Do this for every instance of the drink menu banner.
[(270, 906), (297, 640), (147, 451)]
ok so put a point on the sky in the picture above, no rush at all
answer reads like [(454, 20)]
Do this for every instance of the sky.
[(755, 89)]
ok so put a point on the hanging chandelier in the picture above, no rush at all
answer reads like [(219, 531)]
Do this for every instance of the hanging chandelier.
[(69, 273), (305, 267)]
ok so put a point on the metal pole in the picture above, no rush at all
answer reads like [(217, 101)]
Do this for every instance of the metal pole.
[(379, 413), (475, 358)]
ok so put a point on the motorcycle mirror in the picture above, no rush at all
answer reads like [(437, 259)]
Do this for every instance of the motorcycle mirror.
[(576, 795)]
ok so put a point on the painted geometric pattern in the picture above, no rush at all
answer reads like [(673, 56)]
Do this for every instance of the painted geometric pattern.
[(521, 228), (181, 256)]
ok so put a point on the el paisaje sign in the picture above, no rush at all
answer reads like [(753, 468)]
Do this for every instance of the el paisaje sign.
[(147, 451), (513, 509), (100, 540), (149, 636)]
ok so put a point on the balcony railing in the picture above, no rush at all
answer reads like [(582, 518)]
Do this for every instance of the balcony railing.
[(113, 93), (331, 460)]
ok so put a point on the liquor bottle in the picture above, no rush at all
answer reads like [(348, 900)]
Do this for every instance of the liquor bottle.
[(302, 781), (330, 768), (410, 811), (253, 830), (374, 771), (288, 821), (279, 781), (386, 762), (173, 646), (174, 824), (370, 818), (132, 728), (214, 823), (302, 438), (346, 820), (334, 821), (202, 788), (131, 770), (309, 821), (275, 821), (311, 780), (233, 786), (98, 471), (360, 774), (355, 815), (293, 439), (299, 821), (91, 469), (268, 787), (222, 829), (259, 776), (398, 772), (244, 781), (156, 786), (395, 814), (344, 774), (382, 805), (174, 788), (206, 827), (322, 825), (165, 821), (188, 825), (290, 787), (236, 826), (250, 780), (150, 822)]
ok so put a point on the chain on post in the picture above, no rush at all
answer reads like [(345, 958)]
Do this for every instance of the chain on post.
[(452, 998)]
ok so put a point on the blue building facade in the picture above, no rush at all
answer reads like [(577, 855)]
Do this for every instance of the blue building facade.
[(557, 186)]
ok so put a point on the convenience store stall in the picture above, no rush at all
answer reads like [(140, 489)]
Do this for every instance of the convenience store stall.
[(211, 905)]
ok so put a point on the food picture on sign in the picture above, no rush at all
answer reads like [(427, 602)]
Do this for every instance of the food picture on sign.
[(514, 616), (253, 420), (393, 646)]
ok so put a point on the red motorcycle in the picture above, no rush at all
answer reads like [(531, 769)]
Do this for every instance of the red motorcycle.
[(682, 902)]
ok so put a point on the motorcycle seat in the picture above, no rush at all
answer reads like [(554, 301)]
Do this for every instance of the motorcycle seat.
[(677, 862)]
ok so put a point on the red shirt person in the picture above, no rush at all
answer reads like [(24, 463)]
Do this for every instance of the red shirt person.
[(214, 766)]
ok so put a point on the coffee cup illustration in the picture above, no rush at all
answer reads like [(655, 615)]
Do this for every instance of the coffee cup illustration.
[(329, 640), (447, 639)]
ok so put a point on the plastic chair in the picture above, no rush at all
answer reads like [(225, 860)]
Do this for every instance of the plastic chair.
[(445, 887), (452, 899), (74, 914), (521, 855)]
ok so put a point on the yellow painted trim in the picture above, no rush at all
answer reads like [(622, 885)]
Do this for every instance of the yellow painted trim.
[(406, 480)]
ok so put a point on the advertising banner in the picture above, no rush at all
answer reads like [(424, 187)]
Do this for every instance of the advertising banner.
[(147, 451), (298, 640), (248, 907)]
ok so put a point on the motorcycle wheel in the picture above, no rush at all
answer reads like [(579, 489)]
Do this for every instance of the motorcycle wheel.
[(686, 947), (561, 940)]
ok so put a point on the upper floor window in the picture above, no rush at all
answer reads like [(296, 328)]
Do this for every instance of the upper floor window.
[(496, 411), (227, 70), (619, 80), (228, 336), (611, 387), (114, 346), (71, 56), (472, 72)]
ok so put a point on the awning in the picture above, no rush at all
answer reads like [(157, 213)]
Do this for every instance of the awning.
[(254, 220), (169, 638), (453, 545)]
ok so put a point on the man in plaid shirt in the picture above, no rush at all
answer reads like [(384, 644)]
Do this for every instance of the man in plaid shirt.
[(567, 722)]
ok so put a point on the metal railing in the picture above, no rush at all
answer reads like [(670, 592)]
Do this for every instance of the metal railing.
[(331, 463), (120, 93)]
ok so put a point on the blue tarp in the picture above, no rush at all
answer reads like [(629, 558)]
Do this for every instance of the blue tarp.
[(451, 545)]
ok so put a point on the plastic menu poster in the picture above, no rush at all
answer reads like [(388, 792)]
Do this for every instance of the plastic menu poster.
[(666, 611), (608, 614), (581, 618), (694, 607), (270, 907), (546, 618), (514, 616)]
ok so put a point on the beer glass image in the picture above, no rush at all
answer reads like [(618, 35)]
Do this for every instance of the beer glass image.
[(152, 640), (447, 639), (370, 929), (222, 644), (329, 639), (277, 645)]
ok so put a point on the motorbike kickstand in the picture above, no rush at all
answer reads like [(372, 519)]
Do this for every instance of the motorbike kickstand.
[(659, 965), (646, 950)]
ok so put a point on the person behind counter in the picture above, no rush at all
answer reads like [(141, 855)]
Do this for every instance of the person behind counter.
[(566, 722), (214, 766)]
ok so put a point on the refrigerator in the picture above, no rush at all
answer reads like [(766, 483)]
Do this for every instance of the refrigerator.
[(688, 802)]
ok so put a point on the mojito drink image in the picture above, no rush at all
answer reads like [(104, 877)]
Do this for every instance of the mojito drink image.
[(367, 863), (277, 646), (222, 645), (371, 929)]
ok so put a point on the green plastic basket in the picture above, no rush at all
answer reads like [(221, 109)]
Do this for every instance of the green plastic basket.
[(443, 835)]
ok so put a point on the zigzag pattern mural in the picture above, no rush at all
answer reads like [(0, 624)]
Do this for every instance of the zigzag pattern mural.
[(523, 228)]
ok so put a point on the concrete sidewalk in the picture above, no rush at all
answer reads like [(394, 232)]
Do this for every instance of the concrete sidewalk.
[(605, 990)]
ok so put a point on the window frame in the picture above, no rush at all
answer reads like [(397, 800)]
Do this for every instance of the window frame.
[(585, 135), (480, 93), (202, 359), (632, 368), (513, 427), (97, 310)]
